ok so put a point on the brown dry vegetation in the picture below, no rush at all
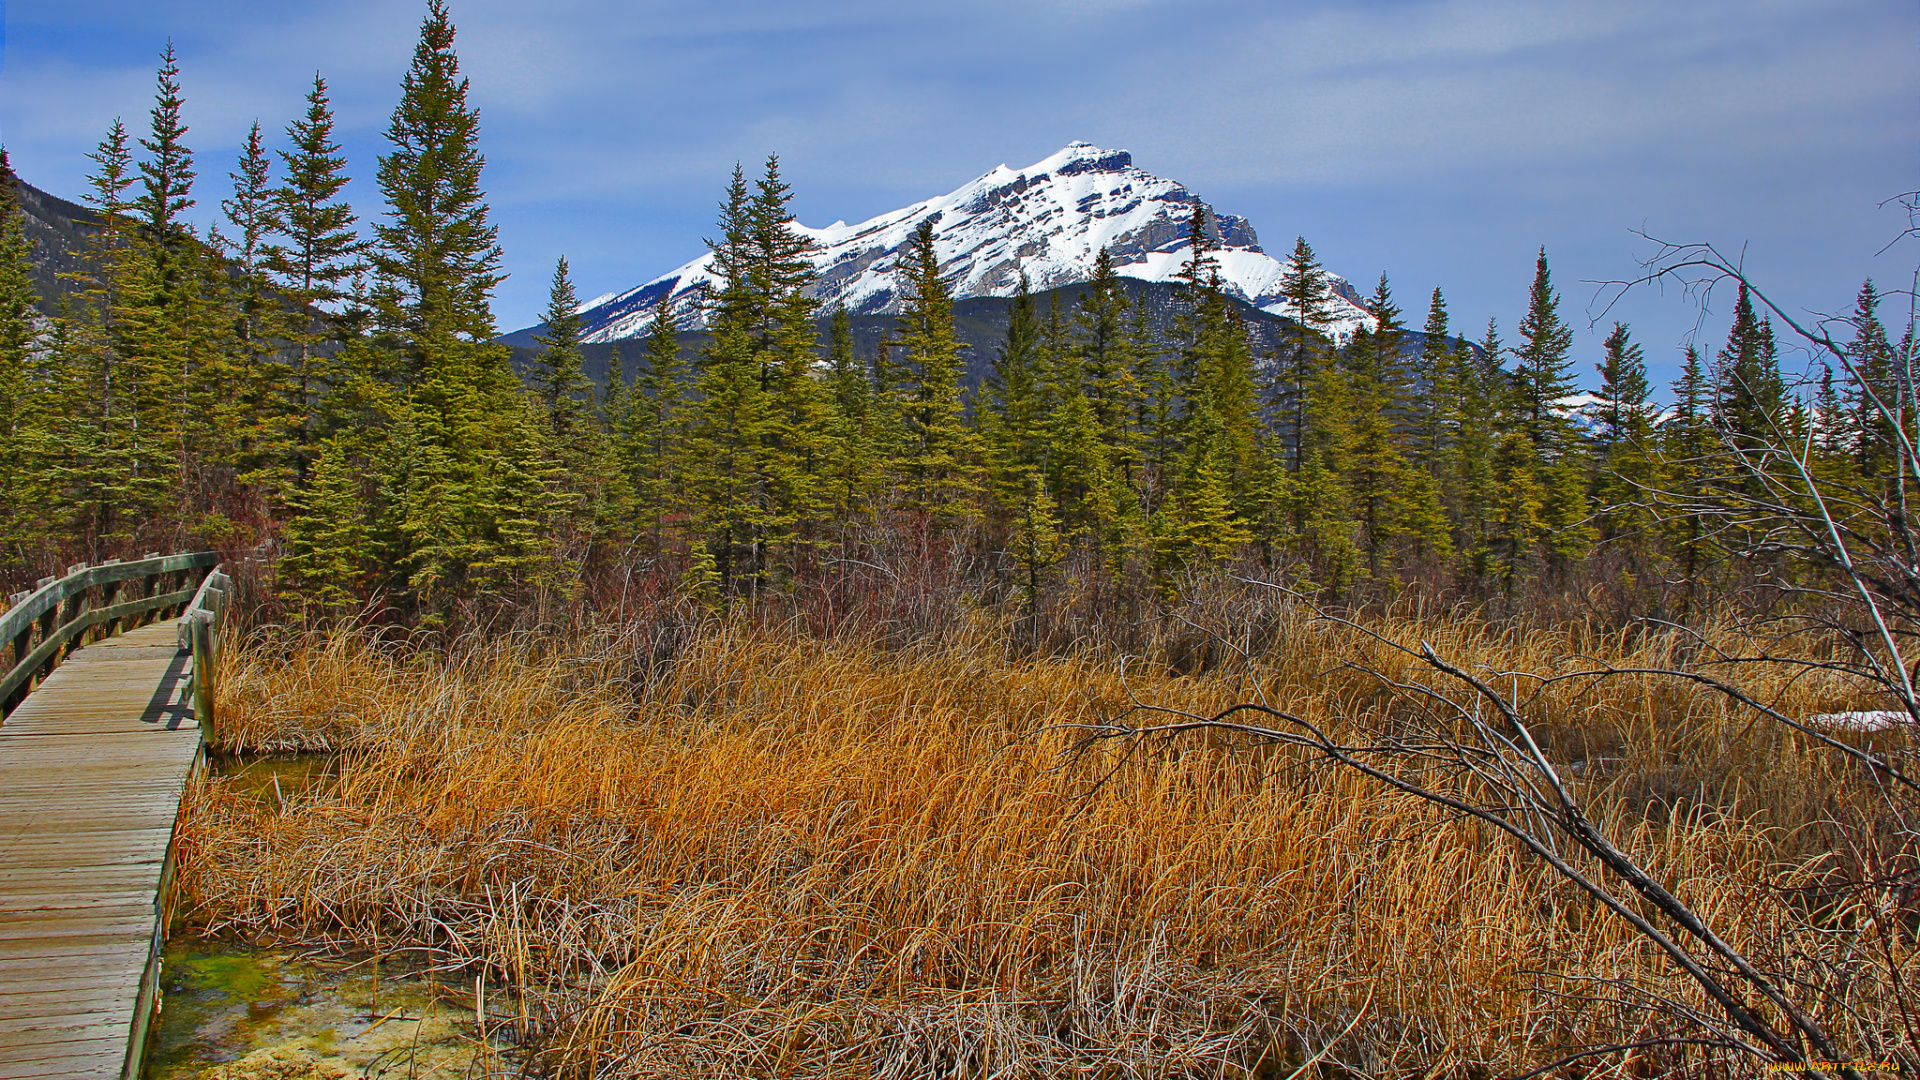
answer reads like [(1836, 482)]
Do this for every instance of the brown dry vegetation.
[(756, 851)]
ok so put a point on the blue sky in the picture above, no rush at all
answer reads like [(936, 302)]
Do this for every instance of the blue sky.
[(1440, 142)]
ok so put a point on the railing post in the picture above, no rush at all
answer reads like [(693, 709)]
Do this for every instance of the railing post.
[(49, 622), (22, 641), (149, 587), (111, 593), (205, 666), (75, 605), (22, 645)]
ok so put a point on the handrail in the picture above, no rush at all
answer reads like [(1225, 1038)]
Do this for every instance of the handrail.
[(59, 609), (200, 633)]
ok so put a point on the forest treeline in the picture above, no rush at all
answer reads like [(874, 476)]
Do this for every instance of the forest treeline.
[(289, 377)]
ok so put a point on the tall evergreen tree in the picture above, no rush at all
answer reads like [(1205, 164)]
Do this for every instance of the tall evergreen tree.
[(106, 254), (89, 451), (786, 340), (1486, 389), (1391, 500), (1013, 410), (855, 448), (756, 443), (1623, 386), (727, 487), (1543, 372), (1748, 390), (937, 462), (1106, 355), (1303, 287), (320, 255), (167, 173), (1687, 442), (1873, 393), (471, 495), (557, 375), (437, 246), (1434, 402), (1626, 466), (655, 419), (243, 398), (17, 339)]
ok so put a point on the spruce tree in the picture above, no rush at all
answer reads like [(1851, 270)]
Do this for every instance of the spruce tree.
[(470, 492), (1872, 391), (728, 490), (1201, 267), (1485, 392), (18, 396), (247, 407), (1391, 500), (1106, 357), (1623, 386), (162, 298), (1435, 394), (1687, 442), (757, 442), (1832, 426), (1303, 287), (87, 451), (1749, 392), (323, 563), (1013, 410), (1626, 466), (557, 369), (937, 462), (167, 173), (320, 255), (1034, 539), (1543, 374), (437, 246), (1519, 519), (1155, 415), (615, 399), (786, 343), (1321, 503), (654, 418), (1013, 385), (854, 445)]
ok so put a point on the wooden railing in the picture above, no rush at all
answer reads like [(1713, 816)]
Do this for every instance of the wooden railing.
[(200, 633), (48, 622)]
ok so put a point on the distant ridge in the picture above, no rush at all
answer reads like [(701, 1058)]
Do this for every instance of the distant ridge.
[(1049, 220), (58, 231)]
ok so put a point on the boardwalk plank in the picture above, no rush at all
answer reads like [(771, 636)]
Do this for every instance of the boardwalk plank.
[(92, 767)]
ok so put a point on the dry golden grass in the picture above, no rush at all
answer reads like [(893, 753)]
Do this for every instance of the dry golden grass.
[(782, 856)]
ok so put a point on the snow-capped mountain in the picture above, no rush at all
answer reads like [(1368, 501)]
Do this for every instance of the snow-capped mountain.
[(1049, 220)]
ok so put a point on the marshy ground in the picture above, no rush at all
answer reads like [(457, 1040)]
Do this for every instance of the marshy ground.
[(757, 851)]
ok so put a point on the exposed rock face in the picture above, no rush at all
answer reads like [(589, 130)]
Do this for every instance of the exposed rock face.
[(58, 231), (1048, 220)]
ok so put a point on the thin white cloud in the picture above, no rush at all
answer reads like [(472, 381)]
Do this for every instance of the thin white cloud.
[(605, 118)]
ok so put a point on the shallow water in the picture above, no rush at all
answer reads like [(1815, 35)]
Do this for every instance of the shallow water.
[(232, 1012), (228, 1011), (280, 778)]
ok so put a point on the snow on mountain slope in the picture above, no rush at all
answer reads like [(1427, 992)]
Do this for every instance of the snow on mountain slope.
[(1049, 219)]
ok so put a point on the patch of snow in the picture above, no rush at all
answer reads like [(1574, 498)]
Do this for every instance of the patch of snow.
[(1049, 220), (1865, 720)]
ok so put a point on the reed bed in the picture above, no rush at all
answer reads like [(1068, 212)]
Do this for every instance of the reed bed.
[(724, 849)]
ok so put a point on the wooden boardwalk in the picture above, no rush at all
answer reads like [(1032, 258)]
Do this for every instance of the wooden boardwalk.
[(92, 767)]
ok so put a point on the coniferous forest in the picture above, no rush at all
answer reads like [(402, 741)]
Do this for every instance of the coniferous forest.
[(325, 380), (1168, 700)]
